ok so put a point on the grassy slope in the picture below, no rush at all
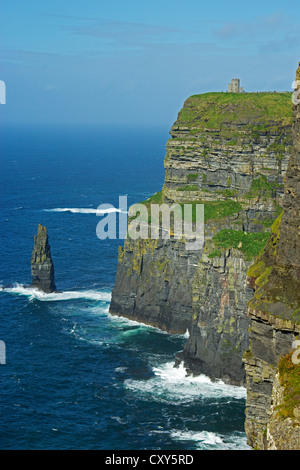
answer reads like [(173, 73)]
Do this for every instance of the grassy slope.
[(255, 110)]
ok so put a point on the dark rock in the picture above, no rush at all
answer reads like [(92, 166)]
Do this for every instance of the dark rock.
[(272, 420), (42, 268)]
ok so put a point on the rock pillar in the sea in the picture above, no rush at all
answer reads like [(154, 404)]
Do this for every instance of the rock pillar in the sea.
[(42, 268)]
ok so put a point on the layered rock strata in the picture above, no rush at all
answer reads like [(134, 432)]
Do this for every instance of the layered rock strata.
[(229, 153), (272, 367), (42, 267)]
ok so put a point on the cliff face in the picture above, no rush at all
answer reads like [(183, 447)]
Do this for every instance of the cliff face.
[(152, 284), (273, 377), (42, 268), (229, 152), (219, 328)]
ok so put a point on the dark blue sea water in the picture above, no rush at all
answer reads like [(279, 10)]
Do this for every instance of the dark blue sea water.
[(76, 377)]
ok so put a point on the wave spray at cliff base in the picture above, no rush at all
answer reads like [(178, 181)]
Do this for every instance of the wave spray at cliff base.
[(205, 440), (207, 400), (173, 385)]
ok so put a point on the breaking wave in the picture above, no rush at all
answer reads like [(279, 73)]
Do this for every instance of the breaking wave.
[(32, 293), (172, 384), (82, 210), (205, 440)]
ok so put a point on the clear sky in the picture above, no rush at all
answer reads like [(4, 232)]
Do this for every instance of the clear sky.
[(134, 62)]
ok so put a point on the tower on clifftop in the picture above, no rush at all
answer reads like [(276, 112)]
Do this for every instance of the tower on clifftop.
[(234, 86)]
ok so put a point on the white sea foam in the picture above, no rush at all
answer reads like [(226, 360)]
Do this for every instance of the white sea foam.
[(32, 293), (172, 384), (210, 440), (125, 322), (186, 334), (82, 210), (202, 437)]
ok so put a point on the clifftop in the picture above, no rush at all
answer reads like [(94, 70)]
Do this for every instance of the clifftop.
[(221, 110), (230, 147)]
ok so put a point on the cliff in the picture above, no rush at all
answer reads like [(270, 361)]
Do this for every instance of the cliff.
[(273, 375), (42, 268), (229, 152)]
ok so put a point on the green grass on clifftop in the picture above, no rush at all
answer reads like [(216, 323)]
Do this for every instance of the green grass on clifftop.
[(254, 110)]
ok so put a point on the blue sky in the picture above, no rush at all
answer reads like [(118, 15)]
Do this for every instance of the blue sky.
[(134, 62)]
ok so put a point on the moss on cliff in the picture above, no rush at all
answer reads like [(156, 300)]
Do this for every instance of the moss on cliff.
[(289, 376), (248, 243), (276, 292), (265, 257), (213, 210), (189, 187), (262, 187)]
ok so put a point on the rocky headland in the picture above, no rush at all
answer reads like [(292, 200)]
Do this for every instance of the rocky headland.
[(229, 152), (239, 296)]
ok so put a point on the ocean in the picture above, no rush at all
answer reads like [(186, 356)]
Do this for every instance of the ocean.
[(76, 377)]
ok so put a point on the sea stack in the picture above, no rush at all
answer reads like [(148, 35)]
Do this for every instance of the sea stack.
[(42, 268)]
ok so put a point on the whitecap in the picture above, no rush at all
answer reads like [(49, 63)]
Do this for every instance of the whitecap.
[(121, 369), (83, 210), (201, 437), (33, 293)]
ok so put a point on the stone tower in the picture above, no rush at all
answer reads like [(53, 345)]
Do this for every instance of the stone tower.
[(234, 86)]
